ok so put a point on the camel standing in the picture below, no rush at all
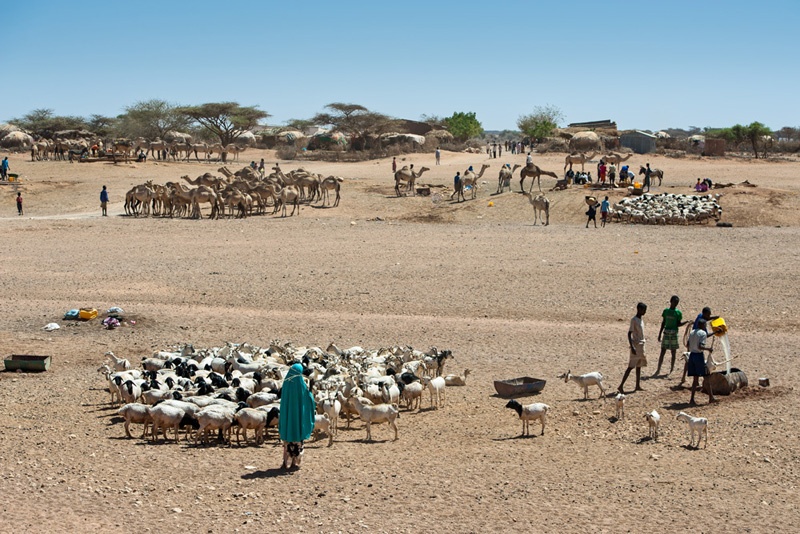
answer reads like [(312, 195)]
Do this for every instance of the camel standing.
[(540, 204), (535, 172), (615, 158), (288, 194), (577, 158), (470, 179), (407, 175), (505, 177), (330, 183)]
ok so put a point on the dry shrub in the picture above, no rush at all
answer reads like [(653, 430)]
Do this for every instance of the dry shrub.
[(286, 152), (552, 144)]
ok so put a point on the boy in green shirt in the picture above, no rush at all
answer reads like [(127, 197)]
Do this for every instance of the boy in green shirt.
[(671, 320)]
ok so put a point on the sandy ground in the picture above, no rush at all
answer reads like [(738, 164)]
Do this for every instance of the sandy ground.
[(509, 299)]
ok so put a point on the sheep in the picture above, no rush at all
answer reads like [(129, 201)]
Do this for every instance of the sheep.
[(412, 394), (152, 364), (273, 416), (589, 379), (151, 395), (135, 413), (164, 417), (347, 408), (214, 417), (374, 414), (436, 387), (322, 424), (455, 380), (261, 398), (391, 394), (529, 413), (130, 391), (251, 419), (120, 364), (696, 424), (653, 419), (620, 400)]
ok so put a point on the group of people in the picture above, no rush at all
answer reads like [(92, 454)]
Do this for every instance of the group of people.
[(671, 321), (605, 209), (702, 186)]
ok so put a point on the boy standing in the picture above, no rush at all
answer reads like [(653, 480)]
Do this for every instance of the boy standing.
[(19, 203), (671, 320), (697, 360), (637, 359)]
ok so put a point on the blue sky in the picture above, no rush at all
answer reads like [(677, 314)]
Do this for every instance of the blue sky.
[(644, 64)]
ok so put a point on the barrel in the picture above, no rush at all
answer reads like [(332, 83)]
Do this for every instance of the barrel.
[(724, 383)]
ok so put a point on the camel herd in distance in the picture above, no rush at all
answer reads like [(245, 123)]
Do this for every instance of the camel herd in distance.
[(234, 194)]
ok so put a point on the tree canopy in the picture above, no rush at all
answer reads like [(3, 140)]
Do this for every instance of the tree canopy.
[(355, 121), (151, 119), (224, 120), (43, 122), (541, 123), (755, 133), (463, 125)]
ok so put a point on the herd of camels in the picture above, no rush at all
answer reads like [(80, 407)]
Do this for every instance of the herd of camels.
[(242, 193)]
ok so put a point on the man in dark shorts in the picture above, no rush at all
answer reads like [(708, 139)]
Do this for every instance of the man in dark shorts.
[(592, 214), (671, 320), (697, 360)]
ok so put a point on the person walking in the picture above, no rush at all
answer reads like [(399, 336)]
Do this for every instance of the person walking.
[(636, 341), (697, 361), (671, 321), (605, 206), (104, 201), (592, 214), (4, 168), (296, 420), (394, 165), (438, 156), (19, 204), (456, 183), (647, 173), (601, 172)]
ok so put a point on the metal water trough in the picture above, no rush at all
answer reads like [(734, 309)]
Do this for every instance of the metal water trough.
[(27, 363)]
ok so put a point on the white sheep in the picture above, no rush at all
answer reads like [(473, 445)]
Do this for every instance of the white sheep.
[(412, 394), (214, 417), (332, 408), (620, 402), (164, 417), (130, 391), (374, 414), (696, 424), (436, 386), (262, 398), (322, 425), (653, 419), (589, 379), (251, 419), (391, 394), (135, 413), (531, 412)]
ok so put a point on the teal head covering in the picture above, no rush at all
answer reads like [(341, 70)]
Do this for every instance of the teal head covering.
[(297, 407)]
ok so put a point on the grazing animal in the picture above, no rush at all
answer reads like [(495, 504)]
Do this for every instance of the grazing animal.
[(620, 398), (653, 419), (589, 379), (436, 387), (375, 414), (541, 205), (455, 380), (531, 412), (696, 424)]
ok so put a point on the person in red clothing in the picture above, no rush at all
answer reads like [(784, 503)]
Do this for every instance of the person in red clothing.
[(19, 203)]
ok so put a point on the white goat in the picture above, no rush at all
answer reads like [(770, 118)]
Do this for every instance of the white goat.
[(322, 425), (455, 380), (620, 398), (436, 386), (374, 414), (589, 379), (412, 394), (696, 424), (120, 364), (531, 412), (332, 408), (653, 419)]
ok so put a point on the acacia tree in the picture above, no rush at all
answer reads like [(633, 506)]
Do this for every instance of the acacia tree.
[(463, 125), (355, 121), (151, 119), (541, 123), (43, 122), (224, 120)]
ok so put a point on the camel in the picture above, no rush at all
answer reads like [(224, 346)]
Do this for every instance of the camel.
[(234, 197), (207, 179), (124, 147), (535, 173), (330, 183), (303, 179), (470, 179), (178, 149), (140, 195), (157, 148), (199, 147), (540, 204), (235, 149), (615, 158), (195, 197), (226, 172), (288, 194), (654, 173), (505, 177), (577, 158), (407, 175)]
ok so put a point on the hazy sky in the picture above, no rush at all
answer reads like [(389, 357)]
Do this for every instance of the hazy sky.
[(644, 64)]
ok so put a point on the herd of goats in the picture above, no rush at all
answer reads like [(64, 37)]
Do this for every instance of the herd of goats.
[(237, 387), (241, 193)]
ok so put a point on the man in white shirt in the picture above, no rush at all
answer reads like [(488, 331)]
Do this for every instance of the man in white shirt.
[(697, 360)]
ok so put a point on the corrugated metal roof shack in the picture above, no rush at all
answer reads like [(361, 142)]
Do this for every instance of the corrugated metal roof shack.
[(639, 142)]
